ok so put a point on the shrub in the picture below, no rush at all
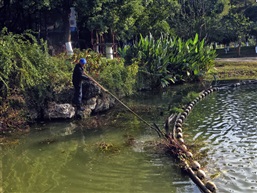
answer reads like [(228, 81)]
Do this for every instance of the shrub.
[(119, 78), (26, 64), (169, 60)]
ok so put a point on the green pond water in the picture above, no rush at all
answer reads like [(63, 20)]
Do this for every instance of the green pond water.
[(116, 152)]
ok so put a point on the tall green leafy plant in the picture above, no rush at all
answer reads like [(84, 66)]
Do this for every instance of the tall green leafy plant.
[(168, 60), (153, 57), (196, 59)]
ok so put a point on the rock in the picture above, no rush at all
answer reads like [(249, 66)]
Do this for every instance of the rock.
[(104, 103), (59, 111), (87, 112), (94, 100), (67, 111), (90, 90), (32, 114), (91, 103)]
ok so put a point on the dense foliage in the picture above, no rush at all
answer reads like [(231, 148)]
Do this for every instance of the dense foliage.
[(168, 60), (113, 74), (125, 20), (26, 65), (30, 77), (118, 78)]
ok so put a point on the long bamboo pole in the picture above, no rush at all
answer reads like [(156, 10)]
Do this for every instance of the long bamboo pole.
[(144, 121)]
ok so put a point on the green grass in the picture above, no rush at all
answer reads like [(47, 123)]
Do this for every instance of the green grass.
[(238, 68), (227, 70)]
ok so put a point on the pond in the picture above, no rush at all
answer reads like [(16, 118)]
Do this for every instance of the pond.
[(113, 152), (225, 125), (116, 152)]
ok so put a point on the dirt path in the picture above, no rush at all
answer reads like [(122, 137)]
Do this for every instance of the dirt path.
[(245, 59)]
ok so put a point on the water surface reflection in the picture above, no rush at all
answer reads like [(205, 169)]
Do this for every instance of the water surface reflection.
[(227, 121)]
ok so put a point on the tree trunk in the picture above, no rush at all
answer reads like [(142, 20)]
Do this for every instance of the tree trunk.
[(7, 10), (239, 49), (66, 21)]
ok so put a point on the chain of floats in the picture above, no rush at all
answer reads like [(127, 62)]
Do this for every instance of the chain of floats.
[(191, 166)]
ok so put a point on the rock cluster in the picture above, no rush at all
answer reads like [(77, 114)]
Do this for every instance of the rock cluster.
[(94, 101)]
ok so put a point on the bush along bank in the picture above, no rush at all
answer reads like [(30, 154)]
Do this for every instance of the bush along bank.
[(37, 86)]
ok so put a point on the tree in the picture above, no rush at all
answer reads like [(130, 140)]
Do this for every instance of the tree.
[(251, 13), (195, 16), (127, 18), (236, 26), (157, 18), (109, 20), (124, 20)]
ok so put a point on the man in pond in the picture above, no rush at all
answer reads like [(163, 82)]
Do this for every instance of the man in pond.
[(77, 77)]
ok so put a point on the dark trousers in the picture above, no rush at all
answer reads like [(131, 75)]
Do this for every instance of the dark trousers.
[(77, 99)]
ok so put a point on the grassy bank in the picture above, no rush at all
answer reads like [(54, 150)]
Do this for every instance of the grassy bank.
[(230, 66), (236, 69)]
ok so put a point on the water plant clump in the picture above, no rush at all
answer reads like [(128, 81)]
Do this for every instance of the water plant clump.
[(108, 147)]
